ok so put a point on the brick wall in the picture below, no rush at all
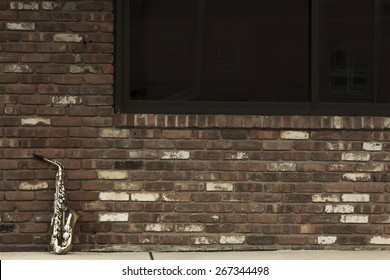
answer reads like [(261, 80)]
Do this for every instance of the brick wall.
[(169, 182)]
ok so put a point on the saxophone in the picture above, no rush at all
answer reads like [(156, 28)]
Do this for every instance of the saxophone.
[(61, 239)]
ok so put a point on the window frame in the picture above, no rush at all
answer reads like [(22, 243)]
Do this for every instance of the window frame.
[(312, 107)]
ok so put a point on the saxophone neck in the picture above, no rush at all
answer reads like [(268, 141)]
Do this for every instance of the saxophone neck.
[(51, 161)]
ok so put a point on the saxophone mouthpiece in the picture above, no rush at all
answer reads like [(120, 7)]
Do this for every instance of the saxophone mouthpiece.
[(39, 157)]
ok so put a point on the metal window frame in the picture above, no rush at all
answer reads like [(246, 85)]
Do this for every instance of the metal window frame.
[(313, 107)]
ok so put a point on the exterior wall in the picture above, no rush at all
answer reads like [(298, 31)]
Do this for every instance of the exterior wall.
[(169, 182)]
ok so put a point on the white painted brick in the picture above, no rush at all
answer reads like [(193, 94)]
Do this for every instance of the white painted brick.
[(20, 26), (380, 240), (189, 228), (368, 146), (355, 197), (337, 122), (219, 187), (386, 122), (114, 196), (175, 155), (357, 177), (354, 219), (203, 240), (238, 155), (112, 175), (24, 5), (51, 5), (339, 209), (232, 239), (114, 133), (326, 198), (337, 146), (78, 69), (35, 121), (145, 197), (17, 68), (127, 186), (355, 156), (281, 166), (26, 186), (66, 100), (114, 217), (294, 135), (372, 167), (67, 38), (159, 228), (326, 240)]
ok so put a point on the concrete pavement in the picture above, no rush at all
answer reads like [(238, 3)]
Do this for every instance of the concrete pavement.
[(227, 255)]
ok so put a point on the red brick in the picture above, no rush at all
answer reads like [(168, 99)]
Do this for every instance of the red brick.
[(292, 240), (19, 196), (261, 240), (112, 239), (339, 187), (17, 239), (33, 228), (263, 219)]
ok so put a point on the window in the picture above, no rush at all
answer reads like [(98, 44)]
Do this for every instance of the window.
[(253, 56)]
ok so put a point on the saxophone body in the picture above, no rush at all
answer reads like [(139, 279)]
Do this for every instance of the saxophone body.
[(62, 224)]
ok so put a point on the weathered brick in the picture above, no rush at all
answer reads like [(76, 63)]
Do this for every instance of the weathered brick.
[(112, 175), (355, 197), (159, 227), (66, 100), (339, 209), (67, 37), (20, 26), (189, 228), (204, 240), (354, 219), (380, 240), (370, 167), (327, 240), (35, 121), (355, 156), (236, 155), (145, 197), (26, 186), (114, 133), (175, 197), (294, 135), (113, 217), (114, 196), (357, 177), (51, 5), (24, 5), (180, 155), (17, 68), (232, 239), (338, 146), (370, 146), (281, 166), (219, 187)]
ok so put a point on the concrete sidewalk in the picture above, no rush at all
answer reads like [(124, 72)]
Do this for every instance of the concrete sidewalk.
[(230, 255)]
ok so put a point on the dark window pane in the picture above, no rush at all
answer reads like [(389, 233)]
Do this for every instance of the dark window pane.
[(384, 53), (348, 33), (219, 50)]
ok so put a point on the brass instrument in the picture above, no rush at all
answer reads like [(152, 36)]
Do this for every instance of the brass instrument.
[(62, 235)]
